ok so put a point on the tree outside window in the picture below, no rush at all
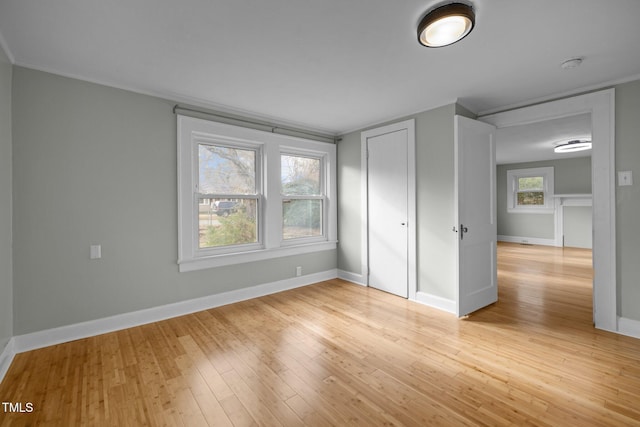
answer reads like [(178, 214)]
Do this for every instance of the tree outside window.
[(227, 180), (530, 190), (302, 196)]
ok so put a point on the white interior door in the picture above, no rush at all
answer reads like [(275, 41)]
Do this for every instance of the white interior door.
[(475, 170), (387, 195)]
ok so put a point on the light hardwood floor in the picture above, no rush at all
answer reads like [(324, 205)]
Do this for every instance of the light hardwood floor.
[(335, 353)]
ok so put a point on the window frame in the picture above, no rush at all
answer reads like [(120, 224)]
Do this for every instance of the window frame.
[(293, 152), (513, 177), (271, 244), (200, 139)]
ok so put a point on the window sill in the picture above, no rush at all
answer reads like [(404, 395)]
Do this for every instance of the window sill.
[(251, 256), (548, 211)]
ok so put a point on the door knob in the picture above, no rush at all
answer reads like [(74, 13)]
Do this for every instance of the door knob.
[(463, 230)]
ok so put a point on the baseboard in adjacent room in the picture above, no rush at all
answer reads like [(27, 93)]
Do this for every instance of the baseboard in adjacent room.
[(527, 240)]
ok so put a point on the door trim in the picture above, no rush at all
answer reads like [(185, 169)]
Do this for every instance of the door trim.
[(409, 126), (601, 106)]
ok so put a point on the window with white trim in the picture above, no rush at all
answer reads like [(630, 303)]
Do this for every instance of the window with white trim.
[(229, 178), (303, 196), (530, 190), (246, 195)]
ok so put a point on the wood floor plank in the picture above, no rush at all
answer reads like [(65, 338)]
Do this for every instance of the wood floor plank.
[(334, 354)]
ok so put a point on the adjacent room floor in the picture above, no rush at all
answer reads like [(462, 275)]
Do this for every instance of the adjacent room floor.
[(336, 353)]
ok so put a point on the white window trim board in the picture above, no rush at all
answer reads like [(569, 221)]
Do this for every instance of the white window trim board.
[(189, 131)]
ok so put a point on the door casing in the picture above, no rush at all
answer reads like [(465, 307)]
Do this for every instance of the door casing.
[(409, 126), (601, 106)]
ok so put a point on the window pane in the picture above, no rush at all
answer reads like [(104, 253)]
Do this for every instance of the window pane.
[(301, 218), (531, 198), (224, 170), (300, 175), (224, 222), (531, 183)]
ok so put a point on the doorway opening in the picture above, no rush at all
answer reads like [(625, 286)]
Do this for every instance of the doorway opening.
[(545, 286), (600, 107)]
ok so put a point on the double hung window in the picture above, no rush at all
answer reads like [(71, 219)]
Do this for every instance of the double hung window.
[(530, 190), (246, 195), (229, 190), (303, 196)]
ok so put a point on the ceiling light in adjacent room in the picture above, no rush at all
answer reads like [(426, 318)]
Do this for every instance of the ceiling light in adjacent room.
[(573, 146), (572, 63), (446, 25)]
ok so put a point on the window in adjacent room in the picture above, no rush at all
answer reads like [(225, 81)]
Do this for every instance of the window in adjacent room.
[(530, 190), (246, 195)]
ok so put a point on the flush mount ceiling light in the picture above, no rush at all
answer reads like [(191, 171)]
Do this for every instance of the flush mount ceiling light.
[(446, 25), (573, 146), (572, 63)]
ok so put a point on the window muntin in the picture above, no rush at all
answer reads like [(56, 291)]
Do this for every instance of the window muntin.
[(530, 190), (303, 196)]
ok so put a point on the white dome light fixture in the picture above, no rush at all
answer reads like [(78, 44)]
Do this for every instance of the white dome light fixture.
[(573, 146), (446, 25)]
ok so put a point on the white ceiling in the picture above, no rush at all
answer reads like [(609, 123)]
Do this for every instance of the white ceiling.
[(535, 141), (326, 65)]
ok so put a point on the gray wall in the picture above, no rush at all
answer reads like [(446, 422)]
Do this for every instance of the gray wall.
[(435, 179), (349, 212), (6, 285), (97, 165), (628, 199), (571, 176), (433, 138)]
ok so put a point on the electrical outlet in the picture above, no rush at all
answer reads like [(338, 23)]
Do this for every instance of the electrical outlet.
[(298, 271)]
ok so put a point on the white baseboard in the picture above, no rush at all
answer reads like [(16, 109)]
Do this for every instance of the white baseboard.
[(434, 301), (6, 357), (629, 327), (527, 240), (356, 278), (91, 328)]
